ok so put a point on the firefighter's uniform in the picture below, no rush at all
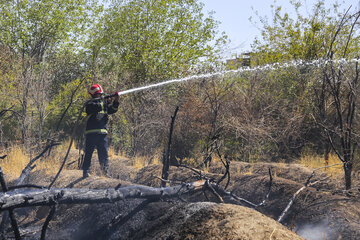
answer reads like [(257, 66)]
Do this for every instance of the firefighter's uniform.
[(96, 133)]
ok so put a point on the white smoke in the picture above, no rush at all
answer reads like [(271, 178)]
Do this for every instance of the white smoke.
[(317, 231)]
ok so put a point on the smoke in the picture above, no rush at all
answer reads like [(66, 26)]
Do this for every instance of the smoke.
[(316, 231)]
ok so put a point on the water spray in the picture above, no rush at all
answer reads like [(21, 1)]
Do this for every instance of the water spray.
[(274, 66)]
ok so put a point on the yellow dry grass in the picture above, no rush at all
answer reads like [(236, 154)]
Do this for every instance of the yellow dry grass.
[(139, 162), (143, 161), (317, 161), (17, 160), (112, 153)]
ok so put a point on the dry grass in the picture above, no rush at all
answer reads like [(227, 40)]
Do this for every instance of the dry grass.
[(143, 161), (17, 160), (317, 161), (112, 153), (140, 162)]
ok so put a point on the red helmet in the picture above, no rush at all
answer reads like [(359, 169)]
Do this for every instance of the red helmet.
[(96, 88)]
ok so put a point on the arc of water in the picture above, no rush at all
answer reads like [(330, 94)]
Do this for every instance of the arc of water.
[(274, 66)]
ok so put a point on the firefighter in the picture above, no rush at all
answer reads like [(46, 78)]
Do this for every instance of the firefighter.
[(97, 111)]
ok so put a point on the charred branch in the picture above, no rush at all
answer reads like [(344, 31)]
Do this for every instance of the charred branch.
[(119, 220), (221, 192), (308, 183), (286, 210), (48, 197), (13, 221), (88, 196), (26, 171), (10, 188), (232, 197), (226, 164), (238, 200), (47, 221), (198, 172), (217, 195), (166, 157), (269, 190), (69, 148)]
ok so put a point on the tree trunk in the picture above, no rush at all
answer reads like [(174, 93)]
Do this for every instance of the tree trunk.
[(326, 153), (166, 155), (347, 170)]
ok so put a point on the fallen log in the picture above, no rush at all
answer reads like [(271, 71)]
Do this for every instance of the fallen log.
[(41, 197)]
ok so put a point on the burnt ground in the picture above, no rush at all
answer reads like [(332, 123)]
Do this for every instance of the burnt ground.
[(323, 211)]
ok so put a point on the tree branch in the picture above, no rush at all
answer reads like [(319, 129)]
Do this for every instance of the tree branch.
[(13, 221), (166, 157), (119, 220), (47, 221), (69, 148), (307, 184), (87, 196), (25, 172)]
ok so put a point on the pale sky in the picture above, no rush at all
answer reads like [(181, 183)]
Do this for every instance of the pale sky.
[(234, 16)]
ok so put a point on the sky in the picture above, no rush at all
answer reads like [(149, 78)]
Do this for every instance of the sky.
[(234, 17)]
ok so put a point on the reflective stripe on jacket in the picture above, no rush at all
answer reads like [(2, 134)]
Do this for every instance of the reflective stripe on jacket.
[(97, 112)]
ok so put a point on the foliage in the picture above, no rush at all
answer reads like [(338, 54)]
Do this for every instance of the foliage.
[(333, 90), (305, 37), (52, 51), (69, 92), (30, 27), (33, 33), (140, 42), (147, 41)]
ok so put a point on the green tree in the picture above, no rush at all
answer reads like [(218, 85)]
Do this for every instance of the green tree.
[(144, 41), (34, 31), (303, 37), (328, 35)]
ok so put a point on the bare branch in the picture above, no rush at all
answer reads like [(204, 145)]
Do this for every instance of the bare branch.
[(226, 164), (198, 172), (87, 196), (307, 184), (119, 220), (25, 172), (47, 221), (69, 148), (342, 22), (13, 221), (286, 210), (2, 112), (351, 31), (25, 186), (166, 157), (207, 184)]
